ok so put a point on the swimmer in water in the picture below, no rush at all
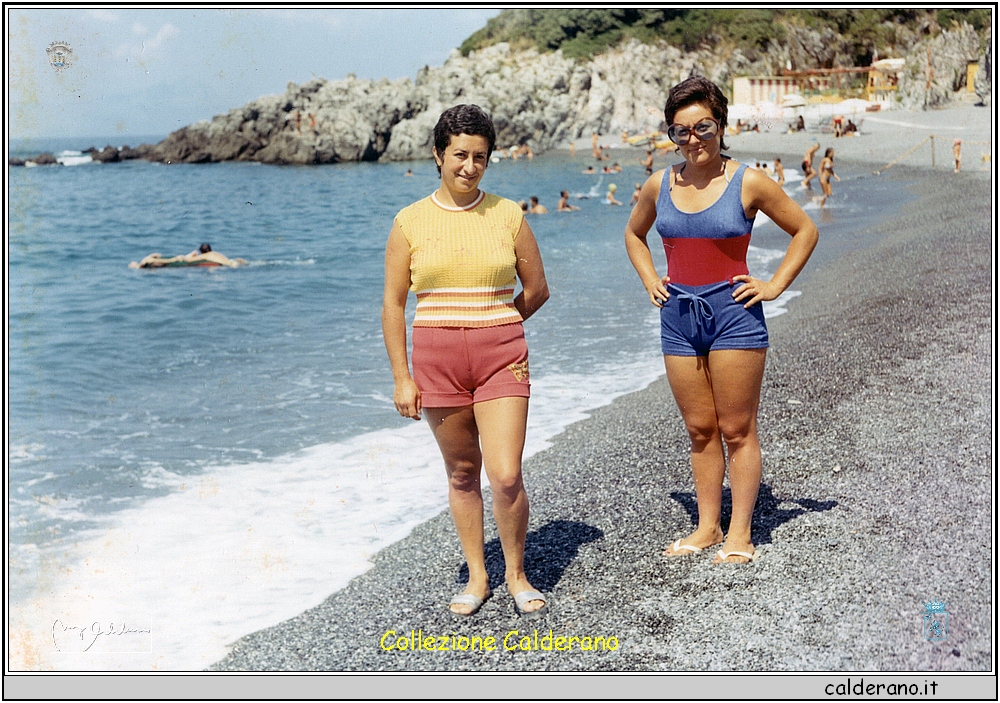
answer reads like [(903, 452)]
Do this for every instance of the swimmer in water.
[(202, 254), (537, 208), (647, 163), (635, 194), (564, 205), (779, 171), (589, 170), (610, 197)]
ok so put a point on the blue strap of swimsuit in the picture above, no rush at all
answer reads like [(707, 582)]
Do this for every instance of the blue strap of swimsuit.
[(701, 313)]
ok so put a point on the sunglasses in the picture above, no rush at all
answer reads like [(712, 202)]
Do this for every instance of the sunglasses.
[(704, 131)]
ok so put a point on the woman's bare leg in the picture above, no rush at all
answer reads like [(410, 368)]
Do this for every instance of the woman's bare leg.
[(502, 423), (458, 437), (736, 380), (691, 385)]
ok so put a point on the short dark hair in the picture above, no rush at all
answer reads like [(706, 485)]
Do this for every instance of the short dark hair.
[(463, 119), (698, 89), (534, 199), (205, 248), (829, 151)]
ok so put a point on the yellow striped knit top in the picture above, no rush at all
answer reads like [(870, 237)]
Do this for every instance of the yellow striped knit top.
[(462, 262)]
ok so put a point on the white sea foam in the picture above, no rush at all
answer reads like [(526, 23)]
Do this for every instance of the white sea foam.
[(245, 546)]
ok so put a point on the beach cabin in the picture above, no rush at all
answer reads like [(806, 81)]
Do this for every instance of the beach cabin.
[(883, 79), (753, 90)]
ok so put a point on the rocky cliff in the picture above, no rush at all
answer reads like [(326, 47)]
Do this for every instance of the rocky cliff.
[(542, 99)]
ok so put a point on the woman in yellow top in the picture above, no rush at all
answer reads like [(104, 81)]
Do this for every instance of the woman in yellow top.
[(460, 250)]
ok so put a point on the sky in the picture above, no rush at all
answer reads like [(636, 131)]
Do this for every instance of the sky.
[(147, 72)]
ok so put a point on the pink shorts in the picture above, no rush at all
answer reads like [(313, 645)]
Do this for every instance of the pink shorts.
[(458, 366)]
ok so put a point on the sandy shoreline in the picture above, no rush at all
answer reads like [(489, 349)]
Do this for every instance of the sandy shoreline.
[(876, 428)]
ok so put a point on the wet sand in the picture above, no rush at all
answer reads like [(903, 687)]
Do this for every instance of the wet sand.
[(876, 427)]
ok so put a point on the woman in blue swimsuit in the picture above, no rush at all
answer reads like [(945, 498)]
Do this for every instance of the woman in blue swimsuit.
[(713, 336)]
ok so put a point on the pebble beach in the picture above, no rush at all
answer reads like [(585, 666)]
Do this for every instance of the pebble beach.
[(876, 426)]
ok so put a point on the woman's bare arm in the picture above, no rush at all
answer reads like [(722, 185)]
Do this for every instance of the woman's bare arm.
[(406, 395)]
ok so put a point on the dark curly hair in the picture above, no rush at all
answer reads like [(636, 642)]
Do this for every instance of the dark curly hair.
[(698, 89), (463, 119)]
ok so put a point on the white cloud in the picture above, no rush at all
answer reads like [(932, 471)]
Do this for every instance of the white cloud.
[(139, 29)]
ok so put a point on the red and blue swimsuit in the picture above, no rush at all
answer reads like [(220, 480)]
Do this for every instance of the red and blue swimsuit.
[(705, 250)]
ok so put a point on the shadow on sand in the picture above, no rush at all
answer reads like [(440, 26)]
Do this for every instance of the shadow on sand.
[(547, 552), (766, 514)]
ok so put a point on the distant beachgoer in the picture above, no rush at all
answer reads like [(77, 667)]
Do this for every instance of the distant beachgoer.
[(409, 172), (536, 208), (610, 197), (201, 255), (851, 130), (838, 125), (572, 148), (779, 170), (647, 163), (635, 194), (825, 172), (712, 330), (523, 205), (589, 170), (594, 148), (956, 150), (801, 123), (616, 168), (808, 173), (624, 136), (564, 205), (462, 251)]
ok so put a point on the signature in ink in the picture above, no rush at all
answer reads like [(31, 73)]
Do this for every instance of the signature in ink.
[(87, 635)]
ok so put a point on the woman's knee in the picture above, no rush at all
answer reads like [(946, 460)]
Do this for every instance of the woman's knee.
[(464, 474), (702, 433), (737, 431), (507, 483)]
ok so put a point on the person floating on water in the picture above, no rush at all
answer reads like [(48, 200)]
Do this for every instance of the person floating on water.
[(202, 256), (462, 250), (564, 205), (712, 331)]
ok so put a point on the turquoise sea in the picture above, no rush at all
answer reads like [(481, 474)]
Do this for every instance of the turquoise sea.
[(209, 451)]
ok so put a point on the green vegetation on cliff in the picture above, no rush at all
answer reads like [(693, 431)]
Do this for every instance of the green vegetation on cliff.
[(582, 33)]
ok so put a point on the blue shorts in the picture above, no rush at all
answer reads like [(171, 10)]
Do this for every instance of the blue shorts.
[(698, 319)]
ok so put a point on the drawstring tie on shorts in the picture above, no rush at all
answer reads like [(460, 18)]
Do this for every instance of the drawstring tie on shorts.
[(700, 311)]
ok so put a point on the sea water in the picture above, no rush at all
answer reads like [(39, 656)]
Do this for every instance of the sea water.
[(197, 453)]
